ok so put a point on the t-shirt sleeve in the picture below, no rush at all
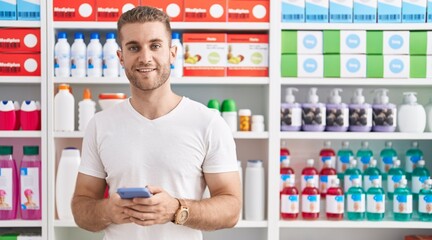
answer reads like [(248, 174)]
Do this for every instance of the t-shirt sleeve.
[(91, 163), (221, 149)]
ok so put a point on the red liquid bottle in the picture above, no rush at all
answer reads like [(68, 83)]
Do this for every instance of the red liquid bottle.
[(327, 153), (286, 172), (289, 201), (310, 201), (327, 174), (309, 172), (335, 201)]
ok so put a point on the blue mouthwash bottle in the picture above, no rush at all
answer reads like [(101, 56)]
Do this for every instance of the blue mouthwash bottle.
[(412, 156), (344, 157), (364, 156), (402, 202), (419, 175), (395, 175), (356, 202), (388, 155), (425, 202), (350, 174), (370, 174), (375, 202)]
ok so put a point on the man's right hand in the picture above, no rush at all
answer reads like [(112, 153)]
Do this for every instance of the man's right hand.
[(114, 209)]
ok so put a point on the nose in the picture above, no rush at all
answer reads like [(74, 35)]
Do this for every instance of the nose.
[(145, 55)]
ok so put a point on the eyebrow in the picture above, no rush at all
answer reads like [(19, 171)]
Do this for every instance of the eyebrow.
[(155, 40)]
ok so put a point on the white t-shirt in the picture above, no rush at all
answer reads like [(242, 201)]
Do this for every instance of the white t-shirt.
[(172, 152)]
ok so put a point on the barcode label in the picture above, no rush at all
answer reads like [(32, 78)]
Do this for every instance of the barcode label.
[(8, 14), (195, 15), (64, 14), (390, 17), (238, 15), (29, 14), (430, 17), (108, 14), (316, 17), (10, 69), (340, 17), (413, 17), (365, 17), (290, 17), (10, 45)]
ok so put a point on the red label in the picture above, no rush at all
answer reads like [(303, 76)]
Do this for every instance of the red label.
[(76, 10)]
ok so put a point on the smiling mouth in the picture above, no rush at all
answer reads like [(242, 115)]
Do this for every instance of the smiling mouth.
[(145, 70)]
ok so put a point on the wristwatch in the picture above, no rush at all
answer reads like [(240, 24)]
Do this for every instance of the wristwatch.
[(182, 213)]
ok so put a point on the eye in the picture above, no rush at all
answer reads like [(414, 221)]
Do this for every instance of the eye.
[(133, 48), (155, 46)]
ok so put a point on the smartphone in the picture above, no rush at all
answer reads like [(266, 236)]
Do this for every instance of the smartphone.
[(129, 193)]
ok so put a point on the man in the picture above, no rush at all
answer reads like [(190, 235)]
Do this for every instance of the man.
[(170, 144)]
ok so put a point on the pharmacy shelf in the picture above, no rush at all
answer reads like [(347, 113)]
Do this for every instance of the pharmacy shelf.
[(177, 81), (356, 135), (20, 24), (20, 134), (20, 80), (358, 81), (355, 224), (174, 25), (21, 223), (357, 26)]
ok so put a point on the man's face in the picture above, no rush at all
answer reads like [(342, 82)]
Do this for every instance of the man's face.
[(146, 54)]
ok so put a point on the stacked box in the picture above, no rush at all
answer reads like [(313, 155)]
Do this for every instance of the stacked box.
[(429, 11), (8, 10), (414, 11), (248, 11), (108, 10), (365, 11), (296, 65), (293, 10), (205, 11), (302, 42), (345, 66), (389, 11), (420, 54), (317, 11), (19, 40), (341, 11), (28, 10), (388, 42), (344, 42), (77, 10), (174, 8), (388, 66), (20, 64)]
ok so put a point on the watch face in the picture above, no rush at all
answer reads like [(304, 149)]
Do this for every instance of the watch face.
[(183, 216)]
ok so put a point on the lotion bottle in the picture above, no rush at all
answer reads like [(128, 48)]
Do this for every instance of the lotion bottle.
[(313, 113), (384, 113), (360, 113), (291, 112), (336, 112), (411, 115)]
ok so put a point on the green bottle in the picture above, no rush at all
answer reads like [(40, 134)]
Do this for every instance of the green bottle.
[(388, 155), (364, 156), (370, 174), (356, 202), (412, 156), (402, 202), (375, 202), (350, 174), (425, 202), (395, 175), (419, 176), (344, 157)]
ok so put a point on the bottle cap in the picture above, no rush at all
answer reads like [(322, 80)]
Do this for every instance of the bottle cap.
[(6, 150), (381, 96), (376, 182), (388, 144), (257, 118), (396, 163), (358, 97), (213, 104), (175, 35), (310, 162), (112, 96), (245, 112), (285, 162), (254, 163), (365, 144), (414, 144), (31, 150), (79, 35), (17, 105), (353, 162), (356, 182), (110, 35), (61, 35), (327, 144), (403, 182), (229, 105), (312, 96), (335, 182), (94, 35), (334, 97), (345, 144), (63, 86), (373, 162), (289, 96), (70, 152), (87, 93), (421, 163), (410, 97)]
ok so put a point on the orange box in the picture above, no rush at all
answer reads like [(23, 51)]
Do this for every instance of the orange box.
[(205, 11), (418, 237), (76, 10), (19, 40), (174, 8), (110, 11), (20, 64), (247, 55), (248, 11), (204, 54)]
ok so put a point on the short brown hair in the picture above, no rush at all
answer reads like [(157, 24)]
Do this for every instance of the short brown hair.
[(143, 14)]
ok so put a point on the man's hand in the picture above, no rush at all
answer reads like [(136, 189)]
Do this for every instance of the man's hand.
[(116, 207)]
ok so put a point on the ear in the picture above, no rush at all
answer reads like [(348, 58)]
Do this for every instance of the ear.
[(120, 56), (173, 54)]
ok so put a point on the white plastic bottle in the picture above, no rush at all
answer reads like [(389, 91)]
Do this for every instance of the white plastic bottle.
[(254, 195), (62, 53), (78, 56), (86, 110), (110, 58), (65, 181), (94, 56), (411, 115), (64, 110), (177, 68), (428, 110)]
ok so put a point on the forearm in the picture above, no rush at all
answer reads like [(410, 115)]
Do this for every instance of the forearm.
[(89, 213), (215, 213)]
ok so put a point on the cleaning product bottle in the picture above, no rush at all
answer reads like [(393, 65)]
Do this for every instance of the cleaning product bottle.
[(336, 112), (86, 110), (310, 201), (8, 184), (335, 201), (419, 176), (254, 193), (30, 117), (64, 110), (327, 153), (309, 172), (110, 59), (384, 113), (177, 67), (371, 174), (286, 172), (78, 56), (402, 202), (411, 115), (7, 115), (360, 113), (94, 56), (327, 175), (67, 172), (351, 174), (313, 113), (412, 156), (291, 112), (395, 175), (289, 201), (356, 201), (428, 110), (388, 155), (30, 179), (425, 201), (62, 53), (344, 157), (375, 202), (364, 155)]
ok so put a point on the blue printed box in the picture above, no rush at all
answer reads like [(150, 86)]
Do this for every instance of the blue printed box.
[(365, 11), (414, 11), (293, 10), (8, 9), (317, 11), (28, 10), (341, 11), (389, 11), (429, 11)]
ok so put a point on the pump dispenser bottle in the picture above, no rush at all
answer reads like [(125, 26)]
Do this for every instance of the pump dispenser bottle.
[(291, 113), (411, 115), (336, 112), (384, 113), (360, 113), (313, 113)]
